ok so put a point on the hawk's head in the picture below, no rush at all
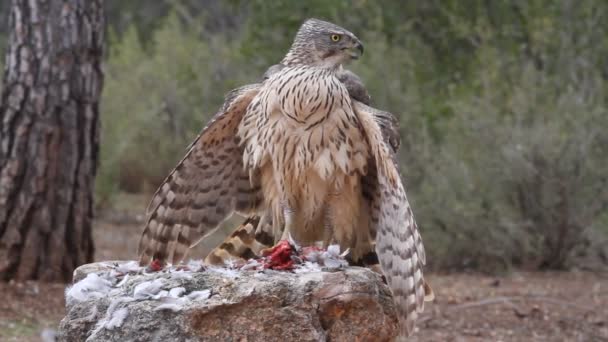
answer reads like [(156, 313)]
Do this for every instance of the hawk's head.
[(324, 44)]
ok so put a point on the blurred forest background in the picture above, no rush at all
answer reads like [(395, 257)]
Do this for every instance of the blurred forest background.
[(502, 107)]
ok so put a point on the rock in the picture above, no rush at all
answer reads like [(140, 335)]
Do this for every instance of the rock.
[(118, 301)]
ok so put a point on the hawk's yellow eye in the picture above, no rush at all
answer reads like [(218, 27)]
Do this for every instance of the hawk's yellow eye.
[(335, 37)]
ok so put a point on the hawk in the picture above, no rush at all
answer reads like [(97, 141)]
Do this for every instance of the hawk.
[(306, 157), (250, 239)]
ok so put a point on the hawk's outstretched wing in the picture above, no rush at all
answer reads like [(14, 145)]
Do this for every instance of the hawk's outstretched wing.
[(398, 242), (205, 188)]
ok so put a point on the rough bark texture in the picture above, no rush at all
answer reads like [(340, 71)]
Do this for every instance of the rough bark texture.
[(352, 304), (49, 132)]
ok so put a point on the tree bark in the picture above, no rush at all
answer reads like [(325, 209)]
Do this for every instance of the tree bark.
[(49, 137)]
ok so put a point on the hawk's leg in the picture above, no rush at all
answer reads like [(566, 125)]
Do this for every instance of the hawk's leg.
[(290, 217), (264, 229), (348, 217), (328, 235), (304, 205)]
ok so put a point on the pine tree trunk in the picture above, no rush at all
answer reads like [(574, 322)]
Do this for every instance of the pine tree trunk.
[(49, 137)]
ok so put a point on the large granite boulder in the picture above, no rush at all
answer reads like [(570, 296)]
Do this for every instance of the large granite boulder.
[(119, 301)]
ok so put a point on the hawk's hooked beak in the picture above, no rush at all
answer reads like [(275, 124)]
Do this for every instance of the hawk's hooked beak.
[(359, 46), (357, 50)]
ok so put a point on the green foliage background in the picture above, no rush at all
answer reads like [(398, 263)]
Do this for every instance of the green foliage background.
[(501, 104)]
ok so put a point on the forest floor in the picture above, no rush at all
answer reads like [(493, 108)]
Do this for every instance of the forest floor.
[(520, 306)]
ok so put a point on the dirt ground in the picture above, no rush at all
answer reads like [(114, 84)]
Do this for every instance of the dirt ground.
[(524, 306), (521, 306)]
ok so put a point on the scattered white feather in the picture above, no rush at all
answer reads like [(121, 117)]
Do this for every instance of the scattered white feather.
[(176, 292), (114, 317), (228, 272), (195, 265), (315, 258), (161, 294), (148, 288), (333, 258), (176, 304), (181, 274), (129, 267), (198, 295), (335, 263), (307, 267), (92, 314), (345, 253), (93, 286), (118, 317), (123, 281), (252, 264), (333, 250)]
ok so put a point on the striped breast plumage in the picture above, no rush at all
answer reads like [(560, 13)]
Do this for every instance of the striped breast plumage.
[(303, 120), (302, 133)]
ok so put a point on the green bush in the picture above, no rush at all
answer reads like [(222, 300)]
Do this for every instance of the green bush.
[(521, 177), (156, 100)]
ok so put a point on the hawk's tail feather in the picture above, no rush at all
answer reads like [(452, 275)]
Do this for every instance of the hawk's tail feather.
[(243, 244)]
